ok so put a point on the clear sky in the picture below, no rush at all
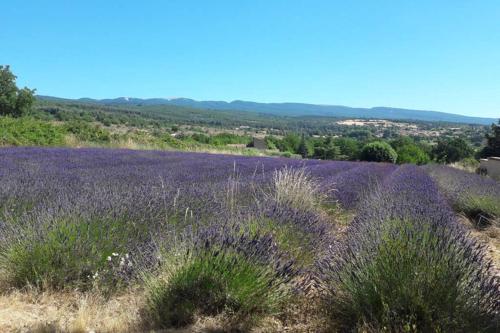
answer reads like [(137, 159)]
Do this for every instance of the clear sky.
[(427, 54)]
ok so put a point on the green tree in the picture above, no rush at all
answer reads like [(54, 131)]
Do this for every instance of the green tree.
[(452, 150), (492, 142), (327, 152), (13, 101), (332, 152), (411, 153), (349, 148), (360, 134), (290, 143), (304, 148), (378, 151), (400, 142)]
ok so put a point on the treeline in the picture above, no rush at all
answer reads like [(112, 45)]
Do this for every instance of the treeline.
[(361, 145)]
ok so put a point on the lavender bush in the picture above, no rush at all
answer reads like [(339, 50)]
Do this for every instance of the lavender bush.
[(354, 184), (68, 253), (51, 198), (216, 270), (407, 265), (476, 196)]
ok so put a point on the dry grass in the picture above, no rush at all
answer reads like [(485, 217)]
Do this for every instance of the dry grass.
[(74, 312), (294, 187), (490, 236), (464, 166), (68, 312), (129, 143)]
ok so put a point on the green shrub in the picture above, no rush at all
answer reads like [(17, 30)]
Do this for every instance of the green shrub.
[(411, 153), (378, 151), (29, 132), (173, 142), (201, 138), (413, 282), (223, 139), (211, 283), (482, 209), (289, 239), (452, 150), (66, 254), (88, 132), (270, 143), (469, 164)]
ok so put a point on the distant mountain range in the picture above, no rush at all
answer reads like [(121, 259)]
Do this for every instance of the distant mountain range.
[(292, 109)]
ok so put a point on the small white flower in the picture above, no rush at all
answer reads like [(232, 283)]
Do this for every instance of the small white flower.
[(109, 258), (114, 254)]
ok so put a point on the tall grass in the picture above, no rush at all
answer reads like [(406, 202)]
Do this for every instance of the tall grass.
[(295, 187)]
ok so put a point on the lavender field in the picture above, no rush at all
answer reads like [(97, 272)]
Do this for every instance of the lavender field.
[(242, 239)]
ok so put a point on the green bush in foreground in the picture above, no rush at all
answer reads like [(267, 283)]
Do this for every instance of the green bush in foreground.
[(211, 283), (67, 254), (413, 280)]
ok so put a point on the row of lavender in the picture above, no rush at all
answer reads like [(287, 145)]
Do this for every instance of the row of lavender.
[(407, 264), (475, 196), (149, 185), (139, 196)]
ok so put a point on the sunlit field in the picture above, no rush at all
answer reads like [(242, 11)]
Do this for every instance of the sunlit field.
[(122, 240)]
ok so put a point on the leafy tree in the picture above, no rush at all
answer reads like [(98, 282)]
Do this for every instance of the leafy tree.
[(13, 101), (400, 142), (361, 134), (290, 143), (272, 142), (332, 152), (452, 150), (304, 148), (492, 142), (349, 148), (411, 153), (327, 152), (378, 151)]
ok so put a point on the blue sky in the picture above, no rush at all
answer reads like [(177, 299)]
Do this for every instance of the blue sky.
[(435, 55)]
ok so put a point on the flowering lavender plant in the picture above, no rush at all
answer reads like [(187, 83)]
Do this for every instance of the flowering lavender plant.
[(219, 269), (408, 265), (476, 196)]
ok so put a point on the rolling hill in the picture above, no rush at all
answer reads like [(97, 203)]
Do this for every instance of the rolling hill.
[(292, 109)]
